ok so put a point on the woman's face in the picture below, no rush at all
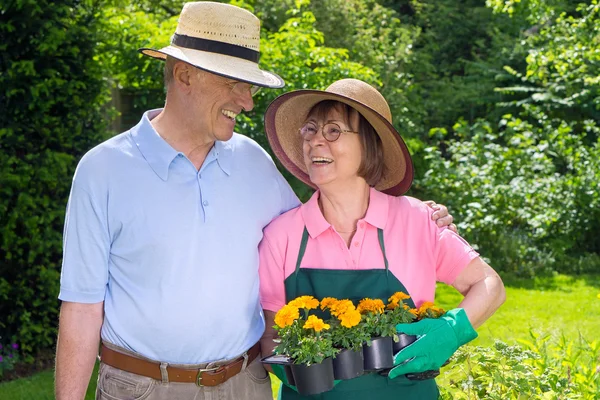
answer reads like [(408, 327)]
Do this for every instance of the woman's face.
[(333, 162)]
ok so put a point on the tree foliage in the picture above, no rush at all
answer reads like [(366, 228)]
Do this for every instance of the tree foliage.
[(52, 112), (498, 101)]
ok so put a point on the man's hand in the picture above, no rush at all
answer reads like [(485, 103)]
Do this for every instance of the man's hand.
[(77, 348), (441, 216)]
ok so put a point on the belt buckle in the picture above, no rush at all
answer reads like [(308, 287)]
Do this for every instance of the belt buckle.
[(199, 376)]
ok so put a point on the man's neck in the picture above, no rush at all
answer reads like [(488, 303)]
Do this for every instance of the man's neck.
[(174, 129)]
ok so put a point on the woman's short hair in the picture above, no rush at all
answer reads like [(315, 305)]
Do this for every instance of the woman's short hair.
[(372, 166)]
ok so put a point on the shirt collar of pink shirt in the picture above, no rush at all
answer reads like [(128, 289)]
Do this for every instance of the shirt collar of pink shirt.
[(315, 222)]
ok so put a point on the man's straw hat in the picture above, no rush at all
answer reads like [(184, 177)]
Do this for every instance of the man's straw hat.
[(219, 38), (286, 114)]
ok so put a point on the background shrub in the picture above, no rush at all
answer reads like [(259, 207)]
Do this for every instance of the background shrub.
[(51, 113)]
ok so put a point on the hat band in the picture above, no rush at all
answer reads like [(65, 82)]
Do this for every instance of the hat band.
[(214, 46)]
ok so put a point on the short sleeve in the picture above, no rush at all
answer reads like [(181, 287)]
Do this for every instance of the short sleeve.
[(453, 254), (289, 199), (271, 271), (86, 248)]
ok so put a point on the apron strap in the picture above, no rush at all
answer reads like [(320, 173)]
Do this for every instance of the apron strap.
[(382, 246), (302, 249), (304, 242)]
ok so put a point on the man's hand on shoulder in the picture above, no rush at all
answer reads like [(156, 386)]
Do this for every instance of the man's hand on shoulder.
[(441, 216)]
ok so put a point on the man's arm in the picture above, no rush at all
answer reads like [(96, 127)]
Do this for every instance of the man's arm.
[(77, 348), (266, 342)]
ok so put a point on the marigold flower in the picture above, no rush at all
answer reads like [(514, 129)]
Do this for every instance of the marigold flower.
[(328, 302), (286, 316), (395, 299), (350, 318), (428, 309), (371, 305), (398, 296), (414, 312), (341, 307), (306, 302), (315, 323)]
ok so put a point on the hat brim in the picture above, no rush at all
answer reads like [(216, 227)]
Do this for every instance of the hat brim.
[(285, 115), (220, 64)]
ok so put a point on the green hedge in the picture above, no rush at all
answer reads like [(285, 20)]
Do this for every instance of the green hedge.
[(52, 112)]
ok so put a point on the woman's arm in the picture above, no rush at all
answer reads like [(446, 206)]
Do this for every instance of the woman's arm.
[(483, 290), (266, 341)]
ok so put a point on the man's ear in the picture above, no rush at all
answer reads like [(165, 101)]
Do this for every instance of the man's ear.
[(182, 74)]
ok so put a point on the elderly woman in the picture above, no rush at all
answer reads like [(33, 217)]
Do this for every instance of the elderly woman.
[(356, 238)]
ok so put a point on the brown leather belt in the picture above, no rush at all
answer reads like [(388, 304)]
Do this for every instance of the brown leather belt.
[(201, 377)]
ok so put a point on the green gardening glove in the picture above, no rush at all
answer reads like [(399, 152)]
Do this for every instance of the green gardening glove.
[(279, 372), (437, 340)]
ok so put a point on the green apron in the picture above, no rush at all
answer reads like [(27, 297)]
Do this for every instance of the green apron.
[(355, 285)]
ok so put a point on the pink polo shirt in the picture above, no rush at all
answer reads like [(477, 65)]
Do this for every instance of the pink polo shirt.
[(419, 253)]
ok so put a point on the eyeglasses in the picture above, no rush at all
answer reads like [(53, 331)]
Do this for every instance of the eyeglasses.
[(331, 131), (242, 88)]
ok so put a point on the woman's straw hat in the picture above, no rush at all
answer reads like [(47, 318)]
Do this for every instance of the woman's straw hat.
[(286, 114), (219, 38)]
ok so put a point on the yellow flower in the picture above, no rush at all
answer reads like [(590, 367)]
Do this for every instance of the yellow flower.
[(398, 296), (371, 305), (395, 300), (350, 318), (315, 323), (431, 308), (414, 312), (341, 307), (328, 302), (286, 316), (306, 302), (599, 295)]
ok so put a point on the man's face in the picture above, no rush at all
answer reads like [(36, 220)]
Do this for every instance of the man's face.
[(216, 103)]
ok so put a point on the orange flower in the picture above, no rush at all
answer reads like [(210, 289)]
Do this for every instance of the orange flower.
[(341, 307), (328, 302), (429, 310), (286, 316), (398, 296), (395, 300), (315, 323), (306, 302), (414, 312), (371, 305), (350, 318)]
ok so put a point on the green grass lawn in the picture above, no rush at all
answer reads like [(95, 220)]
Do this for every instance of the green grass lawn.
[(556, 305)]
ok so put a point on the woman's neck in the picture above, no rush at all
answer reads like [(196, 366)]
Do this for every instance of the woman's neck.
[(343, 207)]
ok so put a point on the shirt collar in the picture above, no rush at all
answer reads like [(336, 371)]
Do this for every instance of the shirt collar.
[(224, 154), (315, 222), (159, 154), (377, 213)]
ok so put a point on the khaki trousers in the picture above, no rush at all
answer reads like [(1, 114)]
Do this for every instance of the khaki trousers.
[(252, 383)]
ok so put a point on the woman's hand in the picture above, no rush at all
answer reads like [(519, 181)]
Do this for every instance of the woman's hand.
[(441, 216), (438, 340)]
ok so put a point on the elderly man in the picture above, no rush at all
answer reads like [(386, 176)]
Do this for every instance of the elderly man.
[(162, 231)]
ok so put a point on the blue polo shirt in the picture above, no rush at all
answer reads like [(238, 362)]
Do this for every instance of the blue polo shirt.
[(172, 251)]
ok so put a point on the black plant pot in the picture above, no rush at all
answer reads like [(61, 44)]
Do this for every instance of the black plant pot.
[(289, 375), (379, 354), (313, 379), (403, 341), (348, 364)]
